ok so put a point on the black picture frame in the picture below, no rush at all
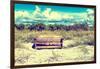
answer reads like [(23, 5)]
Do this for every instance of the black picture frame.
[(12, 64)]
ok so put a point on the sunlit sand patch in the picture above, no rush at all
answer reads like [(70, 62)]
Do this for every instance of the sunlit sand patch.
[(48, 56)]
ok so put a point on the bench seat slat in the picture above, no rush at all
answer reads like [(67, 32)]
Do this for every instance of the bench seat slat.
[(47, 39), (48, 44), (48, 47)]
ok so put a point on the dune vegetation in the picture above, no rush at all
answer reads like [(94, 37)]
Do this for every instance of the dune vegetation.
[(78, 46)]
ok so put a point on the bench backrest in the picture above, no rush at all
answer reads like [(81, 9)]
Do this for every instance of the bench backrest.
[(48, 41)]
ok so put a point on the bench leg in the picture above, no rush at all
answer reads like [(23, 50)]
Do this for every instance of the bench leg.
[(33, 46)]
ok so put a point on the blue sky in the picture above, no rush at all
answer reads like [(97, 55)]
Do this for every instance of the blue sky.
[(31, 7), (49, 14)]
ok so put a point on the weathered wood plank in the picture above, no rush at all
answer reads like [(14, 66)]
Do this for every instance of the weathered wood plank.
[(48, 42)]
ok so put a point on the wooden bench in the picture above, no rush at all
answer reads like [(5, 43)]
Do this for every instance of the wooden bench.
[(47, 42)]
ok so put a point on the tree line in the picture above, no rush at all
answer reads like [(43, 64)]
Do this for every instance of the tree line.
[(41, 27)]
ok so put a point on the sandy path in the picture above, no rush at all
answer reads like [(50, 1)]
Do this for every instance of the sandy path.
[(28, 55)]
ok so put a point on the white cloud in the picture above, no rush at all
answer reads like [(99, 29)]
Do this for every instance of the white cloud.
[(90, 11), (90, 15), (49, 14), (37, 12), (21, 14)]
